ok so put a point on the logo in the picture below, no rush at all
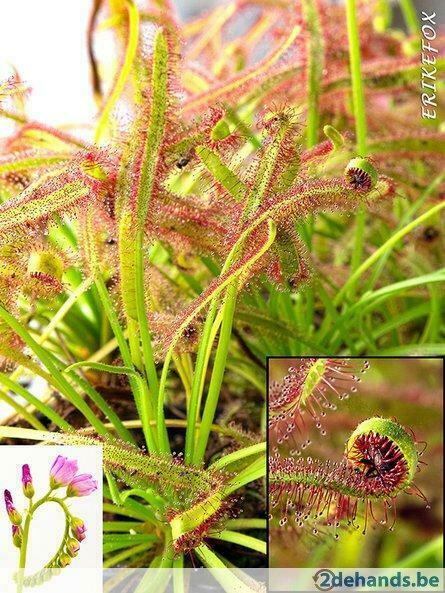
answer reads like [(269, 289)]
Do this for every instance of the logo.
[(323, 579)]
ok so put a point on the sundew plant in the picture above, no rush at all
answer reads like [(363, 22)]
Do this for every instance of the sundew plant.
[(355, 462), (258, 182)]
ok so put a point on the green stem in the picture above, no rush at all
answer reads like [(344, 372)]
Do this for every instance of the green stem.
[(178, 574), (59, 380), (39, 405), (134, 341), (257, 449), (66, 532), (154, 581), (254, 471), (25, 536), (129, 553), (217, 373), (240, 524), (24, 549), (410, 16), (140, 396), (358, 96), (358, 99), (383, 249), (164, 444), (241, 539), (210, 329), (202, 359), (430, 550), (22, 411), (315, 69), (227, 578)]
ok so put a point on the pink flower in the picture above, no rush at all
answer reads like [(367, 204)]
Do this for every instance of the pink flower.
[(13, 514), (79, 529), (62, 472), (81, 485), (28, 488)]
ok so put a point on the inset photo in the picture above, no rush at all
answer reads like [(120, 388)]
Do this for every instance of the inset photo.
[(355, 462), (51, 518)]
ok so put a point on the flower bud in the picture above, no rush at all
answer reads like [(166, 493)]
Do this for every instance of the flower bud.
[(78, 529), (334, 136), (81, 485), (72, 547), (13, 514), (64, 560), (28, 488), (17, 536)]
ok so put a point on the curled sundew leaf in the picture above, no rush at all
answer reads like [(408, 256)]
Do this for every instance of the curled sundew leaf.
[(334, 136), (305, 198), (361, 174), (380, 462), (31, 268), (319, 196)]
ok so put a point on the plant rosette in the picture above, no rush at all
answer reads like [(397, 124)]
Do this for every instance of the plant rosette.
[(64, 484)]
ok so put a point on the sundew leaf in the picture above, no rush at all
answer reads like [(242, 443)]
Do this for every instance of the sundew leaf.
[(426, 143), (26, 160), (241, 84), (58, 191), (221, 172), (334, 490), (257, 248), (138, 175), (182, 485)]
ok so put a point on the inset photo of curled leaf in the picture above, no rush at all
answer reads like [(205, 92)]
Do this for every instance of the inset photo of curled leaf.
[(51, 519), (355, 462)]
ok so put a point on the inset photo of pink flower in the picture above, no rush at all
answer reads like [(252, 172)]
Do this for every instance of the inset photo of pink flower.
[(50, 518)]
